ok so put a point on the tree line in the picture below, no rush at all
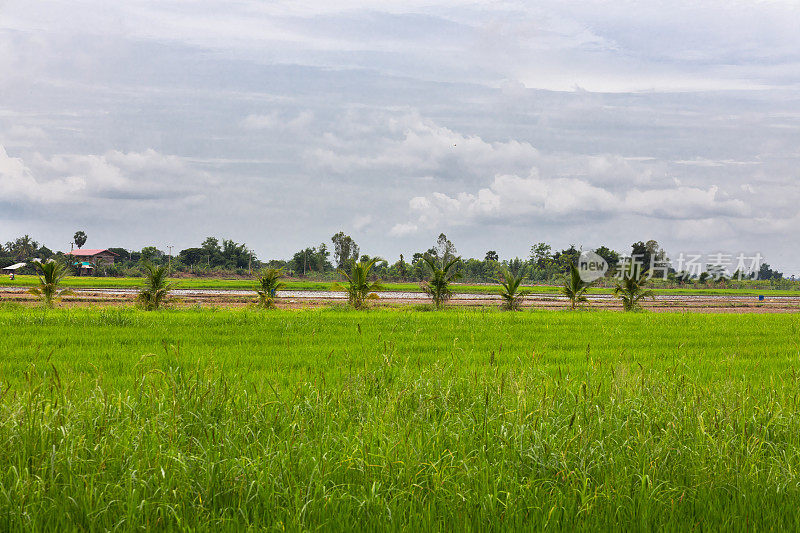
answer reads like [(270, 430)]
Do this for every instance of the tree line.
[(214, 256)]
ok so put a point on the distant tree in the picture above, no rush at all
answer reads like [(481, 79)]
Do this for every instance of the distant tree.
[(640, 254), (267, 285), (79, 239), (235, 255), (400, 269), (23, 248), (321, 255), (565, 258), (445, 251), (648, 254), (122, 253), (211, 244), (44, 252), (359, 287), (442, 274), (213, 252), (491, 255), (156, 288), (574, 287), (541, 261), (510, 293), (516, 265), (311, 259), (685, 277), (345, 250), (151, 254), (766, 272), (193, 256), (50, 275), (611, 257), (540, 253)]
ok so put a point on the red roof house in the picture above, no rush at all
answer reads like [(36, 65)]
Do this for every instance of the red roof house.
[(87, 259), (93, 256)]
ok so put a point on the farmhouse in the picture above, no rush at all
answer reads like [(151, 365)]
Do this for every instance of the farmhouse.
[(87, 260), (13, 268)]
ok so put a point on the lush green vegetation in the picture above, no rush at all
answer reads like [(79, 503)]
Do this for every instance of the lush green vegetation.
[(357, 285), (156, 287), (225, 258), (389, 419), (458, 288), (268, 283)]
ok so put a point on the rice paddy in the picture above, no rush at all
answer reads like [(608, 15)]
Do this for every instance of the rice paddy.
[(397, 419), (734, 288)]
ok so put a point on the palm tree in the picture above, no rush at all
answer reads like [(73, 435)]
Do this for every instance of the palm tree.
[(267, 286), (24, 247), (79, 239), (574, 287), (50, 275), (156, 287), (442, 274), (509, 289), (359, 288), (631, 289)]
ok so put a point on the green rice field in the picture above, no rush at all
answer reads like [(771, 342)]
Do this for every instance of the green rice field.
[(397, 419), (87, 282)]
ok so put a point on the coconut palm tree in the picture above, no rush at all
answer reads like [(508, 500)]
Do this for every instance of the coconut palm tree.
[(50, 275), (267, 286), (156, 287), (442, 274), (509, 289), (574, 287), (631, 289), (359, 288)]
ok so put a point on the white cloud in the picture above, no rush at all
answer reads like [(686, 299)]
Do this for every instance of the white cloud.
[(115, 175), (18, 184), (515, 200), (362, 221), (278, 121), (410, 143), (684, 203), (401, 230)]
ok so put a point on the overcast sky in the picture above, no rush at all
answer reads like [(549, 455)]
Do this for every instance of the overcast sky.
[(499, 123)]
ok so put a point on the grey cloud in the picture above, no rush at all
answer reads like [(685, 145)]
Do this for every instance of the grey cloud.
[(300, 119)]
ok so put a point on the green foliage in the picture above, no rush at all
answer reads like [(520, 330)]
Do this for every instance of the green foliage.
[(611, 257), (632, 288), (50, 275), (509, 289), (151, 254), (442, 274), (312, 259), (267, 285), (230, 255), (358, 285), (397, 420), (156, 287), (345, 250), (574, 287), (22, 249)]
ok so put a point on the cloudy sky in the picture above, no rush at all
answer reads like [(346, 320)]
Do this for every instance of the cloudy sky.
[(499, 123)]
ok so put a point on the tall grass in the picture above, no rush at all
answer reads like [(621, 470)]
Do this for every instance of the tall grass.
[(338, 420)]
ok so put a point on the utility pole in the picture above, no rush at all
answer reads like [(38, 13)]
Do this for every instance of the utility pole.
[(169, 260)]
